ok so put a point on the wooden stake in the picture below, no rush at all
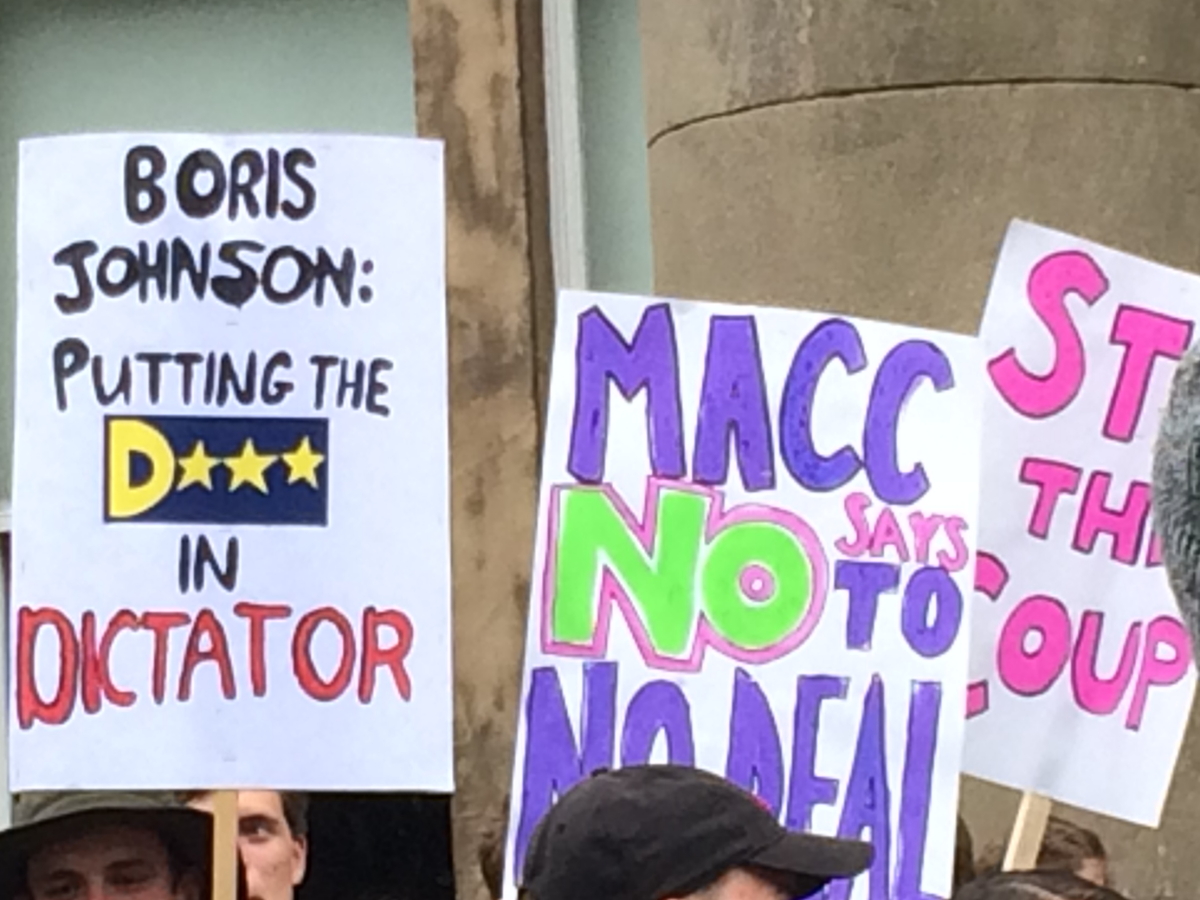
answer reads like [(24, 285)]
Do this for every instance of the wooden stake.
[(1025, 842), (225, 845)]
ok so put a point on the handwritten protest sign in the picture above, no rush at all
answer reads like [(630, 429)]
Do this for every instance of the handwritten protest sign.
[(1081, 676), (231, 550), (754, 548)]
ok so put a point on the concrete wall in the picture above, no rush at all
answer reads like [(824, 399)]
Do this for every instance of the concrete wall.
[(864, 157)]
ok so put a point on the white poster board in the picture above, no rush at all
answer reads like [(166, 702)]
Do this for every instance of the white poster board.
[(754, 554), (1081, 670), (232, 543)]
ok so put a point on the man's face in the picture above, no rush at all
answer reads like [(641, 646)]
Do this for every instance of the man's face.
[(741, 884), (113, 863), (274, 857)]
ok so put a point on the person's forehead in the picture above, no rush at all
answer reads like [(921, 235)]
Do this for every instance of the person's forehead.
[(101, 844), (260, 803), (744, 884)]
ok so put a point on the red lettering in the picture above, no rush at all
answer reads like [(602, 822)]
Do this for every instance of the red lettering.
[(258, 614), (302, 662), (208, 626), (97, 680), (85, 657), (30, 705), (375, 656), (161, 624)]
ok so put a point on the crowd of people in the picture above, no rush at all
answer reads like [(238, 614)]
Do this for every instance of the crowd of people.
[(105, 845), (1072, 864), (650, 832)]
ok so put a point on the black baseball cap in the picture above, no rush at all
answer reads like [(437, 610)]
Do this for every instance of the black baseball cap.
[(656, 831)]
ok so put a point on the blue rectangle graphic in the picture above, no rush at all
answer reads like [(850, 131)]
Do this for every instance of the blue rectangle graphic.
[(217, 471)]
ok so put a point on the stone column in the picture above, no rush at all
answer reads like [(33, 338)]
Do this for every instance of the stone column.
[(865, 156), (479, 92)]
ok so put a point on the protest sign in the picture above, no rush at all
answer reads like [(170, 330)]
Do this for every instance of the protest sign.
[(231, 549), (755, 543), (1081, 675)]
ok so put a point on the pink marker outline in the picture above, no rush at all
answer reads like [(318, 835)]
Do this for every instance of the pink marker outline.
[(612, 593)]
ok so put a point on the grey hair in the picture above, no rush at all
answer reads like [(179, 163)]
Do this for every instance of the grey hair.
[(1176, 489)]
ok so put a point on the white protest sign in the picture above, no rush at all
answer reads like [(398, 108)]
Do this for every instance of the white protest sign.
[(1081, 675), (231, 551), (754, 552)]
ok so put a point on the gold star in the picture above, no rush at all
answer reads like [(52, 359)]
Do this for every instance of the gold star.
[(197, 468), (302, 463), (249, 467)]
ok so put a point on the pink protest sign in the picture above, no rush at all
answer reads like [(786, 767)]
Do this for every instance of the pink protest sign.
[(1081, 681)]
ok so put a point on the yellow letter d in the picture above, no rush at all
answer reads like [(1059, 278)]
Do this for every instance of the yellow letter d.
[(125, 438)]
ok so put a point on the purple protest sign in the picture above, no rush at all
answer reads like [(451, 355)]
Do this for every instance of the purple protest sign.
[(755, 545)]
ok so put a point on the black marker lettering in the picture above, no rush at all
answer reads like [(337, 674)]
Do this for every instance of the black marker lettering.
[(73, 255), (193, 204), (343, 278), (304, 275), (236, 291), (322, 364), (70, 357), (376, 388), (124, 387), (153, 363), (188, 362), (138, 184), (156, 270), (241, 188), (182, 262), (291, 162), (129, 276), (274, 391)]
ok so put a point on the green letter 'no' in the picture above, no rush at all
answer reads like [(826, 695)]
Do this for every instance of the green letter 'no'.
[(661, 584)]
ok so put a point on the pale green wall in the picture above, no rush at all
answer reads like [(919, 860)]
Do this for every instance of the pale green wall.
[(616, 179), (188, 65)]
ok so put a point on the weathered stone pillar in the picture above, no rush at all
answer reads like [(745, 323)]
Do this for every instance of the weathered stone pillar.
[(472, 93), (865, 156)]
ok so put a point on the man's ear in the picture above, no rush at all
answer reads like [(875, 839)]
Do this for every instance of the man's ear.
[(299, 859)]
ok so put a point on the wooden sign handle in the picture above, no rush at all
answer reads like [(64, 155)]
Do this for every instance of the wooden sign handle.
[(1025, 842), (225, 845)]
